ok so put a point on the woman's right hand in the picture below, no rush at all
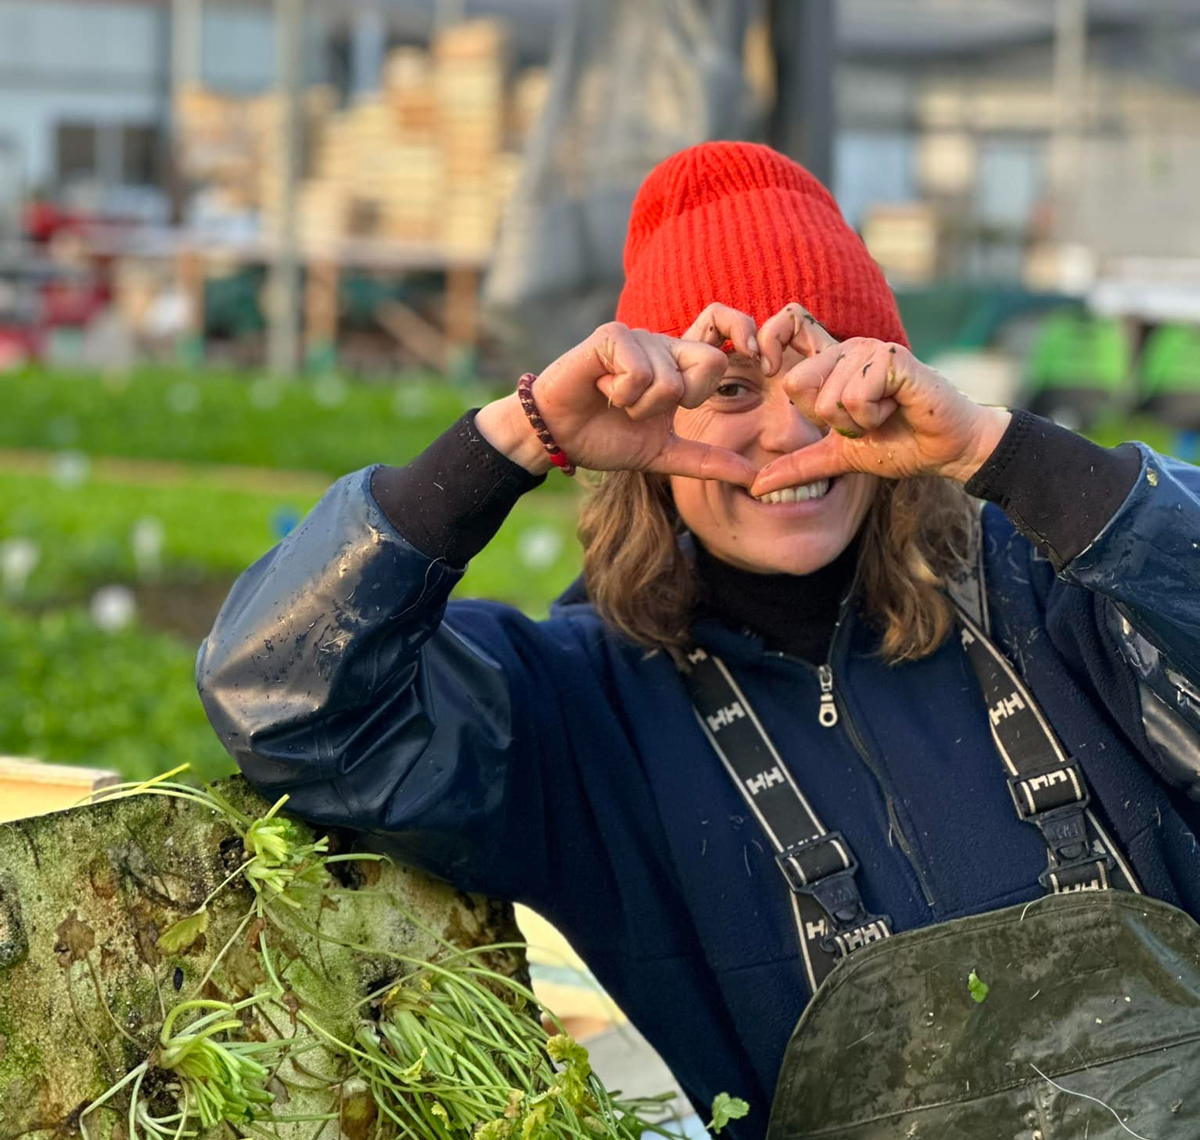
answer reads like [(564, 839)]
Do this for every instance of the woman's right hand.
[(610, 404)]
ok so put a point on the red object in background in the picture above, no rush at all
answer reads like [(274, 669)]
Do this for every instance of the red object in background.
[(44, 219), (71, 303), (17, 346), (69, 300)]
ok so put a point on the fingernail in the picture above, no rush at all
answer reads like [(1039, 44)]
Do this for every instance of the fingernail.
[(752, 345)]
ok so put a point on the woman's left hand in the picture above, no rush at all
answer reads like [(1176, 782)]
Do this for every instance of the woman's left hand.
[(889, 414)]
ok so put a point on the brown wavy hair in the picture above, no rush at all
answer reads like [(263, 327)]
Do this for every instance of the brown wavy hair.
[(643, 584)]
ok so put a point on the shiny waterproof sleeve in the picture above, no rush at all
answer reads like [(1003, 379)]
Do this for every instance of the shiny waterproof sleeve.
[(330, 674), (1144, 567)]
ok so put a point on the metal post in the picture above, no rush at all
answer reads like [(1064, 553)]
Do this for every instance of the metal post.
[(803, 36), (183, 48), (186, 41), (283, 336), (1070, 71), (448, 13), (368, 45)]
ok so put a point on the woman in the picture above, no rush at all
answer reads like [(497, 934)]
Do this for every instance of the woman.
[(798, 647)]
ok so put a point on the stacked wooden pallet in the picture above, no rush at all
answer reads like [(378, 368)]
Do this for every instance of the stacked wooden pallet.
[(430, 159), (318, 212), (470, 68), (216, 146)]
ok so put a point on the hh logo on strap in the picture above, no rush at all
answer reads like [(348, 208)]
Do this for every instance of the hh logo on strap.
[(764, 780), (853, 939), (815, 930), (697, 655), (1037, 783), (1006, 707), (726, 716)]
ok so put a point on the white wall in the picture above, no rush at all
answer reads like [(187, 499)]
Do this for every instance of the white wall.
[(63, 61), (62, 44), (238, 52)]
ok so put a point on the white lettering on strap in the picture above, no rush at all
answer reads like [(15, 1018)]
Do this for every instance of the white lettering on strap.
[(722, 718), (1006, 707), (764, 780), (815, 930)]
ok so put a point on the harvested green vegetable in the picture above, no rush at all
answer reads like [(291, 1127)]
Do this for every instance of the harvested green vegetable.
[(978, 987), (724, 1109), (450, 1048)]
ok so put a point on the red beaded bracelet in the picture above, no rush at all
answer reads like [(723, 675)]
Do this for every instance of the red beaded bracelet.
[(525, 394)]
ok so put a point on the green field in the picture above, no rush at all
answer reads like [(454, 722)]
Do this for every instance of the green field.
[(209, 470), (85, 536), (324, 425), (126, 701)]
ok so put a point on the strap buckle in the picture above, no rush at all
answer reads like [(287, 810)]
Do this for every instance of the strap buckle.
[(1040, 793), (824, 868), (1073, 864)]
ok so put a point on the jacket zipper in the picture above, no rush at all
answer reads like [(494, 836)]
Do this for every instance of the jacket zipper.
[(829, 715), (893, 815)]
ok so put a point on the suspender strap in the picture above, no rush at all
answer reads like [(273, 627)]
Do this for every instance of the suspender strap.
[(818, 865), (1048, 787)]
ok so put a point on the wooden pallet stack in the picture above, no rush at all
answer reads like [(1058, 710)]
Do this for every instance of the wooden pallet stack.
[(429, 160), (217, 145), (318, 211), (470, 65)]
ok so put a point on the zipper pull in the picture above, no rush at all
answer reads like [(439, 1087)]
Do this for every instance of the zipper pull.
[(827, 714)]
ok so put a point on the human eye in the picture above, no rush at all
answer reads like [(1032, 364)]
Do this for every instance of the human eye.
[(733, 389)]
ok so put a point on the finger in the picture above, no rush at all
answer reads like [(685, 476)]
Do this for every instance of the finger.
[(627, 369), (702, 368), (830, 402), (865, 394), (703, 461), (719, 323), (825, 459), (666, 389), (795, 327), (804, 381)]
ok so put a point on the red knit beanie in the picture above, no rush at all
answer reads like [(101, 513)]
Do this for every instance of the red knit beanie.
[(741, 224)]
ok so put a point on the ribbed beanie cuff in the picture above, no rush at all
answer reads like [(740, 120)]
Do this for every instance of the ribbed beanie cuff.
[(741, 224)]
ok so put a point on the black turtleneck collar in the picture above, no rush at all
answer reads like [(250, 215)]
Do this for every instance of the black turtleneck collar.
[(791, 613)]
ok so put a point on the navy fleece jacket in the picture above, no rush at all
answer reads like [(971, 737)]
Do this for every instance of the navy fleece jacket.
[(555, 764)]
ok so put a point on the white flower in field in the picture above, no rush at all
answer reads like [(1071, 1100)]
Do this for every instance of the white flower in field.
[(412, 402), (330, 391), (538, 547), (113, 608), (70, 468), (18, 559), (266, 392), (147, 538), (183, 398)]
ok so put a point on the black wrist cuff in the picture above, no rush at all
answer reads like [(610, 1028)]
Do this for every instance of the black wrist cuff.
[(450, 501), (1059, 488)]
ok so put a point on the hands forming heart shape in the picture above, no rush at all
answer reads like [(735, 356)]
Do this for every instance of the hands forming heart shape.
[(887, 413), (610, 403)]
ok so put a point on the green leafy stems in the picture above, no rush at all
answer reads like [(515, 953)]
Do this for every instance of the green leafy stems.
[(724, 1109), (212, 1080), (451, 1050)]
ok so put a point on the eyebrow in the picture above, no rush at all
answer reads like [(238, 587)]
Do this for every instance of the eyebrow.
[(739, 360)]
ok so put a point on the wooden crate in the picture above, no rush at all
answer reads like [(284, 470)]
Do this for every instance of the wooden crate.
[(32, 787)]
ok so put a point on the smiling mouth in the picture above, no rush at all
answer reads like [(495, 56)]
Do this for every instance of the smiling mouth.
[(801, 493)]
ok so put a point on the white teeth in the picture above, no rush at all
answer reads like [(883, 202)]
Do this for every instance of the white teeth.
[(799, 494)]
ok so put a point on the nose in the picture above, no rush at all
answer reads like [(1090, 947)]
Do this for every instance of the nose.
[(782, 427)]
